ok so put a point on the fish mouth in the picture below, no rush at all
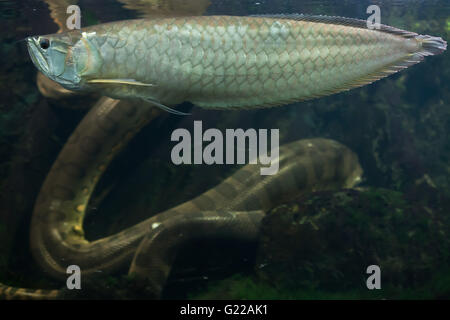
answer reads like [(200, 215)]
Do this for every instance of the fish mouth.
[(36, 55)]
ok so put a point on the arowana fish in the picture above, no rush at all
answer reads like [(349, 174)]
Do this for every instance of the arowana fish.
[(228, 62)]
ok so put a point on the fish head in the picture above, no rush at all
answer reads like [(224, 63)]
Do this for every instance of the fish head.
[(66, 58)]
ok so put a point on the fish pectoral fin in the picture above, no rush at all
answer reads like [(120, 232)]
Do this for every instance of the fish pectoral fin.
[(131, 82), (166, 108)]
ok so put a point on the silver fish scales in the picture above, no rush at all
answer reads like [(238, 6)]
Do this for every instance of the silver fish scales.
[(230, 62)]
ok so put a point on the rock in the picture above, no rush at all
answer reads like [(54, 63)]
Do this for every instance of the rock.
[(328, 239)]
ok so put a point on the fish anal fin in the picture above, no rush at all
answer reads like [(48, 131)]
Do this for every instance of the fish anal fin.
[(375, 75)]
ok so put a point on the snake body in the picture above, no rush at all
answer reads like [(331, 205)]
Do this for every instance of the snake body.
[(234, 208)]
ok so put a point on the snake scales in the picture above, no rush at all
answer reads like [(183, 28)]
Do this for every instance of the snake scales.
[(233, 209)]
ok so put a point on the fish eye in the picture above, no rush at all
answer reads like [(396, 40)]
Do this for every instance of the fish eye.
[(44, 43)]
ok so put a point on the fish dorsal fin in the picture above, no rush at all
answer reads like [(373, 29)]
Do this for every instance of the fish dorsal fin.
[(350, 22), (431, 45)]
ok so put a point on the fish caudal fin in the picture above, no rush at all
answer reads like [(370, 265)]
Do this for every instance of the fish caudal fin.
[(432, 45)]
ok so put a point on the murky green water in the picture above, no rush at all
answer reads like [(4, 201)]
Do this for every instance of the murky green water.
[(398, 127)]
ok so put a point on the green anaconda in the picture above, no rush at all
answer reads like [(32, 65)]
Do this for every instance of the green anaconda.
[(232, 209)]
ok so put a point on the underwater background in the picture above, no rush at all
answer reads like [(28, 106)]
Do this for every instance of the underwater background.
[(317, 246)]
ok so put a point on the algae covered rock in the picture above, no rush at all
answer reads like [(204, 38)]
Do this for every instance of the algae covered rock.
[(327, 241)]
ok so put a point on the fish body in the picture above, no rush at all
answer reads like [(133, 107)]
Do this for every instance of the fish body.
[(228, 62)]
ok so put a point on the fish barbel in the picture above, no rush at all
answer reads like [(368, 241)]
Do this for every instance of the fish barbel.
[(225, 61)]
